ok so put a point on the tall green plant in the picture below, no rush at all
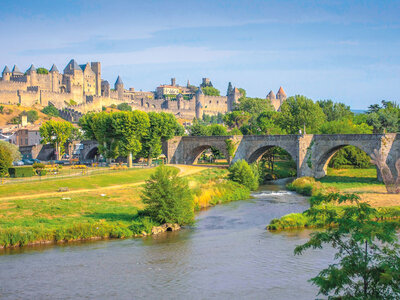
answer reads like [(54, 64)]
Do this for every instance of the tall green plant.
[(368, 257), (244, 174), (168, 197)]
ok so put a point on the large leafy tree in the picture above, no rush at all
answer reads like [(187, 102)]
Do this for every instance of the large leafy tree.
[(56, 133), (5, 159), (129, 128), (236, 119), (210, 91), (300, 111), (253, 106), (12, 149), (335, 110), (367, 261), (162, 126), (384, 118)]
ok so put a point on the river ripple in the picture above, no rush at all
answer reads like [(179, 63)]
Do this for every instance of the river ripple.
[(227, 255)]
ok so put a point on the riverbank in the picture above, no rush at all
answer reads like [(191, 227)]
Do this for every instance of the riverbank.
[(99, 207), (359, 181)]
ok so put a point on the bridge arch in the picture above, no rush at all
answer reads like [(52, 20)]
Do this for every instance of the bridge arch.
[(323, 158), (92, 153), (197, 151), (257, 154)]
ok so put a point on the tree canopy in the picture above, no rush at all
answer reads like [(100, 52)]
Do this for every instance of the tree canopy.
[(56, 133)]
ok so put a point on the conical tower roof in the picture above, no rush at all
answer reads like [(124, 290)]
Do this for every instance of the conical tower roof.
[(16, 70), (271, 95), (236, 90), (54, 68), (6, 70), (72, 66), (31, 69), (119, 80), (281, 92)]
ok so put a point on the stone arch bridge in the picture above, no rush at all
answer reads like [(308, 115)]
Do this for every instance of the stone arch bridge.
[(310, 152)]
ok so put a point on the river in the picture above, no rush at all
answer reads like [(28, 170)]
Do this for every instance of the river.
[(227, 255)]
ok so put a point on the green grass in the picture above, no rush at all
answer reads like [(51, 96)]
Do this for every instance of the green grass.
[(350, 178), (76, 183)]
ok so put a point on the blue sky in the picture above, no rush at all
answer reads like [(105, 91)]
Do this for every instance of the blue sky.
[(347, 51)]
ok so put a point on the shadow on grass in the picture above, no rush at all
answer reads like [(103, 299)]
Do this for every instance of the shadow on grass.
[(348, 179), (113, 216)]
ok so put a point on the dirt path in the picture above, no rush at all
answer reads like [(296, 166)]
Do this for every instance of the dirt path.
[(184, 171)]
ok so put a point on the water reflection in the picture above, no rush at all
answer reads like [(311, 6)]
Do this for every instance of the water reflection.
[(227, 255)]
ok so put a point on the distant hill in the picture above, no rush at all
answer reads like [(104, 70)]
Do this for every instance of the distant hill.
[(358, 111)]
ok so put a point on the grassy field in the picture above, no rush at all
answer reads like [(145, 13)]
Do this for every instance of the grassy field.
[(103, 205), (75, 183), (360, 181)]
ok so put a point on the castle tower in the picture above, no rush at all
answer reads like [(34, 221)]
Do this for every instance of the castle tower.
[(105, 88), (31, 75), (199, 103), (188, 83), (179, 99), (233, 98), (271, 95), (281, 96), (96, 68), (173, 81), (119, 87), (55, 78), (6, 75), (73, 76)]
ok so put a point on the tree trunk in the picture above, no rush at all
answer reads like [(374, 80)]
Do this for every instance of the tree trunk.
[(57, 151), (149, 160), (130, 160)]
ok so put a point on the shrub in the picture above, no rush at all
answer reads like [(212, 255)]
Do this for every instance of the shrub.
[(41, 172), (124, 106), (306, 186), (37, 166), (168, 197), (25, 171), (51, 110), (5, 160), (244, 174)]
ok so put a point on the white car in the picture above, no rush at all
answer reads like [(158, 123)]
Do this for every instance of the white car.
[(18, 163)]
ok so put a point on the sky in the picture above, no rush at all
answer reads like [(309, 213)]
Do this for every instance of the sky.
[(347, 51)]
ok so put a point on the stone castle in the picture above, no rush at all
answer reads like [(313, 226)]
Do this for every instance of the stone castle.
[(80, 89)]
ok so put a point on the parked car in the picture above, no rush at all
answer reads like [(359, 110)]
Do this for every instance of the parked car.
[(27, 162), (18, 163)]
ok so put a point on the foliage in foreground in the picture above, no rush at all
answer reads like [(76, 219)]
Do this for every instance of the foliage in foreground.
[(244, 174), (168, 197), (368, 255)]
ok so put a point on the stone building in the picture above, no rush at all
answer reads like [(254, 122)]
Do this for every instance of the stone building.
[(80, 89)]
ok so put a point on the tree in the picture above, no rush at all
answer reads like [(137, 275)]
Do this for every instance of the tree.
[(384, 119), (5, 159), (244, 174), (367, 259), (42, 71), (56, 133), (210, 91), (217, 130), (129, 128), (198, 129), (124, 107), (299, 111), (12, 149), (162, 126), (51, 110), (236, 119), (168, 197), (87, 125), (32, 116), (254, 106), (335, 111)]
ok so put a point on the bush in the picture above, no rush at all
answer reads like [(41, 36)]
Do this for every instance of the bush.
[(124, 107), (51, 110), (41, 172), (306, 186), (5, 160), (37, 166), (168, 197), (244, 174), (25, 171)]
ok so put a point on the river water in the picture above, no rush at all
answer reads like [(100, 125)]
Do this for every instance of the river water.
[(227, 255)]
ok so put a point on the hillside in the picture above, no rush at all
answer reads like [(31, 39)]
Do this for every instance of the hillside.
[(11, 111)]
